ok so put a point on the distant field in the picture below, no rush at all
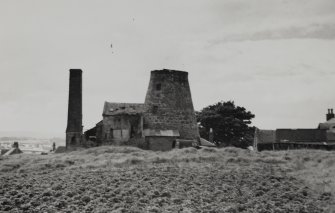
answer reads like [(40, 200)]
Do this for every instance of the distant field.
[(126, 179), (28, 145)]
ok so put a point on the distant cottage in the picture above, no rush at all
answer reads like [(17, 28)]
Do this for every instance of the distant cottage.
[(323, 137), (165, 118), (14, 150)]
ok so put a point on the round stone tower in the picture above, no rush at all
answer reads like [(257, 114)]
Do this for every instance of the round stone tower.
[(169, 104)]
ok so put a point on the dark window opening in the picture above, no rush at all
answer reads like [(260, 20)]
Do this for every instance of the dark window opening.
[(73, 140), (174, 144), (111, 133), (155, 109), (132, 131), (158, 86)]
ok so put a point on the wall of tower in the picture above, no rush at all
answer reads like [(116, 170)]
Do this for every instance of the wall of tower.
[(169, 104), (74, 123)]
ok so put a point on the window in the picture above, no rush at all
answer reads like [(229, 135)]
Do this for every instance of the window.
[(132, 131), (154, 109), (158, 87), (111, 133), (73, 140)]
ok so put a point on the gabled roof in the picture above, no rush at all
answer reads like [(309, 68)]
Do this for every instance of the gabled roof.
[(122, 108), (328, 124)]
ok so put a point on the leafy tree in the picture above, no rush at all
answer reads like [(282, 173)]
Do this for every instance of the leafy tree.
[(230, 124)]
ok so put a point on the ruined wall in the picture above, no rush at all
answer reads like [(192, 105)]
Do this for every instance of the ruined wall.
[(169, 104), (121, 128), (74, 120)]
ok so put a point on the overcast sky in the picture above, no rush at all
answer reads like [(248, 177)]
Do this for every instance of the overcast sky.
[(274, 57)]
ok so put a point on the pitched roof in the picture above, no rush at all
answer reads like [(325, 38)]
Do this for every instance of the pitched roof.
[(123, 108), (301, 135)]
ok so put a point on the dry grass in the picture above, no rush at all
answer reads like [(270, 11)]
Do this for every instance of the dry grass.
[(220, 180)]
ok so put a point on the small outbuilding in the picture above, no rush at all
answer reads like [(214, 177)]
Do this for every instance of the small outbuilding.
[(160, 140), (14, 150), (122, 122)]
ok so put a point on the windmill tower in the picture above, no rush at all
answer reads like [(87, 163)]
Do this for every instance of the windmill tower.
[(169, 104)]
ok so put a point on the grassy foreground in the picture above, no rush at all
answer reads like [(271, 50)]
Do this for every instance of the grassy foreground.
[(127, 179)]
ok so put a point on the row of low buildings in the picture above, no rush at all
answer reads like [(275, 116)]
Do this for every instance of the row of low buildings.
[(167, 120), (321, 137)]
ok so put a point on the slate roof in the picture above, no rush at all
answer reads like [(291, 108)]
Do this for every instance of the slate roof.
[(301, 135), (330, 136), (111, 108)]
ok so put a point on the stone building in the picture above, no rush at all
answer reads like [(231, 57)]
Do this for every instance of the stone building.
[(169, 104), (121, 122), (14, 150), (329, 125), (166, 116)]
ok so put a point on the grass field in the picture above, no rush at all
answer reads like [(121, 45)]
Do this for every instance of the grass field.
[(127, 179)]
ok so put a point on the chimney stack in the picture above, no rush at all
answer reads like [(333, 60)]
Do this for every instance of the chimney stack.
[(330, 114), (74, 128)]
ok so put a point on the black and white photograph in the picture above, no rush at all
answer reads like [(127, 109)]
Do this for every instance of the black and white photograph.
[(180, 106)]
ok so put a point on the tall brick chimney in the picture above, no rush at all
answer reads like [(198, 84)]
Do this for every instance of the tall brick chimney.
[(330, 114), (74, 129), (169, 104)]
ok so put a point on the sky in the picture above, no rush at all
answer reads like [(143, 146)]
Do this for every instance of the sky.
[(273, 57)]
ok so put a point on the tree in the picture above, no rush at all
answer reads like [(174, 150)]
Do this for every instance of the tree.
[(230, 124)]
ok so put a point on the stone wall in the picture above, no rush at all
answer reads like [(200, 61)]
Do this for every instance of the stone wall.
[(156, 143), (74, 139), (169, 104), (120, 128)]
